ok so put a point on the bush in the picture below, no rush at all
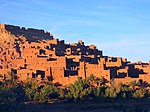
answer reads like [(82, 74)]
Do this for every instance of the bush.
[(12, 99)]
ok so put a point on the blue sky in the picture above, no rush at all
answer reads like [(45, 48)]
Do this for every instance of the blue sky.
[(118, 27)]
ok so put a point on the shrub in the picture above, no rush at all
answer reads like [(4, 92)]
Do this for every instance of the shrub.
[(12, 99)]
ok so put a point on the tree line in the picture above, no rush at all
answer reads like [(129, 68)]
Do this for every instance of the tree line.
[(14, 94)]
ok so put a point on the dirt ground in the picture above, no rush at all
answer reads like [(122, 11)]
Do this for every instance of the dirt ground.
[(94, 107)]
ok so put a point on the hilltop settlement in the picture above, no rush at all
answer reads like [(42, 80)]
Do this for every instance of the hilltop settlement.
[(35, 53)]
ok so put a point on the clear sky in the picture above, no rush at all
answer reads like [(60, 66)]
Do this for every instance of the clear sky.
[(118, 27)]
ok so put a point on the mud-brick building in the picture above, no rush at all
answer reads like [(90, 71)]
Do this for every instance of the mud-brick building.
[(37, 54)]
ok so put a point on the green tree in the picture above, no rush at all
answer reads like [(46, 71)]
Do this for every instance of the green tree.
[(133, 84), (101, 81), (9, 81), (79, 90), (113, 90), (99, 92), (31, 87), (96, 81), (91, 80), (126, 92), (48, 92), (36, 96), (140, 93)]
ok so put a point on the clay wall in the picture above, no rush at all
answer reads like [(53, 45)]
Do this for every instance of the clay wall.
[(4, 72), (23, 74), (30, 33), (145, 77), (19, 62), (114, 62), (57, 72), (76, 58), (53, 41), (122, 72), (124, 80), (97, 70)]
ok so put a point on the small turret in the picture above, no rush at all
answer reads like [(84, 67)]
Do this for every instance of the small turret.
[(2, 26), (92, 46), (80, 42)]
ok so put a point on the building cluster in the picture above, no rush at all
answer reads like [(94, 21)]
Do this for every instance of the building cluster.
[(36, 54)]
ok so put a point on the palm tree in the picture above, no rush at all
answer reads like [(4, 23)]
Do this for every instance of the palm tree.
[(12, 78), (79, 90), (103, 81), (92, 80), (50, 79), (144, 84), (133, 84)]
